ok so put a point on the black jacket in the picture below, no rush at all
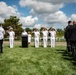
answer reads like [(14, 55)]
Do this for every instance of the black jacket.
[(67, 32), (73, 33)]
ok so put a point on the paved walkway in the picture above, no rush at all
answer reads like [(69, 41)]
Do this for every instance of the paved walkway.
[(57, 43)]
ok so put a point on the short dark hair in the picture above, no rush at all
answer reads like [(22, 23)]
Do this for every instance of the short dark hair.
[(69, 21)]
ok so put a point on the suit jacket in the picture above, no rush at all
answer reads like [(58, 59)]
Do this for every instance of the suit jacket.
[(67, 32), (73, 33)]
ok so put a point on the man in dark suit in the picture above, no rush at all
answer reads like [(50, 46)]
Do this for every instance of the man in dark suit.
[(67, 35), (73, 38), (2, 32)]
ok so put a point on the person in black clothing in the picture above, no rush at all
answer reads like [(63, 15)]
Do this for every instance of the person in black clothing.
[(73, 37), (2, 32), (67, 35)]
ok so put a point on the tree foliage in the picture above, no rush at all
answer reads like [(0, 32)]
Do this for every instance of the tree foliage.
[(60, 32), (13, 21), (28, 30)]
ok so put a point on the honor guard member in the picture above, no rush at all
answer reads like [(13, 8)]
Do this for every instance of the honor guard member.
[(29, 38), (2, 32), (67, 35), (11, 37), (45, 37), (36, 38), (52, 37)]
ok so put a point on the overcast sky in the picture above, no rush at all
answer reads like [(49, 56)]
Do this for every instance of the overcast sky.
[(39, 13)]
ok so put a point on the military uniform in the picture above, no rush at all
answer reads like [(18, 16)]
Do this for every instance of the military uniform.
[(36, 38), (45, 37), (52, 38), (11, 37), (29, 38)]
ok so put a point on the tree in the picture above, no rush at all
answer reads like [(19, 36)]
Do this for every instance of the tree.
[(60, 32), (13, 21), (28, 30), (41, 28)]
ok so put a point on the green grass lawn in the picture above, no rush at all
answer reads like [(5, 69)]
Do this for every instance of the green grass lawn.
[(36, 61)]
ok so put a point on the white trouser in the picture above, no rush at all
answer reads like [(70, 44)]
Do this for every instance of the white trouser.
[(36, 42), (44, 41), (52, 39), (29, 39), (11, 42)]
